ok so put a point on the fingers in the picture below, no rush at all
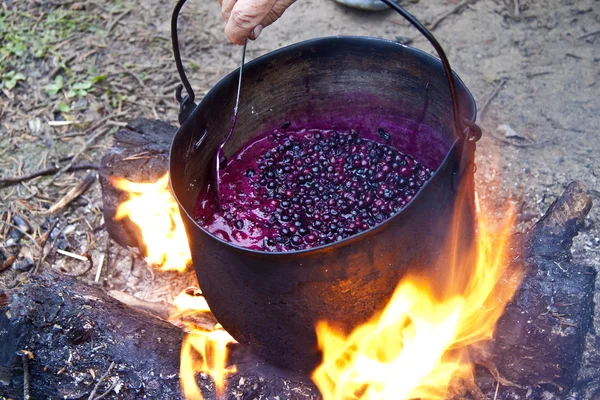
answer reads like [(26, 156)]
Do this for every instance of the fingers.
[(276, 12), (245, 16), (226, 7)]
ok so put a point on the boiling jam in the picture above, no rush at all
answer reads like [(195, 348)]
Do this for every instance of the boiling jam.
[(296, 189)]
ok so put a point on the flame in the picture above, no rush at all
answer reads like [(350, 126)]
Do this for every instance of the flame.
[(417, 345), (202, 350), (193, 302), (212, 349), (415, 348), (151, 206), (153, 209)]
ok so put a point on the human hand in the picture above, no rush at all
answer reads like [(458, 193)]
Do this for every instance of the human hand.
[(247, 18)]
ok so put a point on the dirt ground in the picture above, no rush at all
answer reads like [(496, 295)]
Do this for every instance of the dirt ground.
[(75, 71)]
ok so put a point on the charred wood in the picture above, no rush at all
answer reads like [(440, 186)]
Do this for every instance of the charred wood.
[(140, 153), (73, 333), (539, 341)]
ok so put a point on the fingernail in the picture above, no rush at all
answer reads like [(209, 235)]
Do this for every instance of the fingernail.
[(256, 32)]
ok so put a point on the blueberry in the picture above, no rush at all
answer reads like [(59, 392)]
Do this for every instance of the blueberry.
[(384, 135)]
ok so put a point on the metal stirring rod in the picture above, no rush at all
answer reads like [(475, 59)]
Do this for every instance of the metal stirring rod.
[(217, 177)]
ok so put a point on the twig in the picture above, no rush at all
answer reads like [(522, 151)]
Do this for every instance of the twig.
[(26, 376), (99, 269), (522, 145), (60, 66), (7, 263), (10, 180), (44, 256), (43, 244), (84, 257), (95, 125), (72, 255), (87, 144), (517, 9), (102, 378), (72, 194), (46, 235), (589, 34), (494, 93), (455, 10), (116, 20), (103, 395), (161, 309)]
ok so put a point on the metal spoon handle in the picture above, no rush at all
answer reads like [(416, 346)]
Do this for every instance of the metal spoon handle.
[(239, 89), (217, 177)]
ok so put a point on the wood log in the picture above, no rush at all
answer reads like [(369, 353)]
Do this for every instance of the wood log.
[(140, 153), (71, 333), (539, 341)]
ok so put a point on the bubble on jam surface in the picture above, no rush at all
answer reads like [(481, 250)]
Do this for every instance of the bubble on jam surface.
[(300, 189)]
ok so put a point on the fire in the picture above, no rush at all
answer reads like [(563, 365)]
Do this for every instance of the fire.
[(417, 345), (152, 207), (211, 347), (202, 350)]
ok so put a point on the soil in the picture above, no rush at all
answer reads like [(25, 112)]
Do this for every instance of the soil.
[(533, 67)]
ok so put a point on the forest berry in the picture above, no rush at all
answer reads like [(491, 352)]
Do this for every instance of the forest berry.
[(305, 188)]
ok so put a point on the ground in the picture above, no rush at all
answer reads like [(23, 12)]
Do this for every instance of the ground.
[(72, 71)]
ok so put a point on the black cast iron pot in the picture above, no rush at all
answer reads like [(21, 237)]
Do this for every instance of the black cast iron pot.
[(272, 301)]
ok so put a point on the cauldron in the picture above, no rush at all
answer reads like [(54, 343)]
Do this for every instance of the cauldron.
[(271, 302)]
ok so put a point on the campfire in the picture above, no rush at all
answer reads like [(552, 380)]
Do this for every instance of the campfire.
[(423, 334), (490, 329)]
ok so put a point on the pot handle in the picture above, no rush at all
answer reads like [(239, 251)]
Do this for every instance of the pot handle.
[(467, 131), (186, 103)]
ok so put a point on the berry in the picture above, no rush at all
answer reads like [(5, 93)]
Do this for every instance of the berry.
[(305, 188)]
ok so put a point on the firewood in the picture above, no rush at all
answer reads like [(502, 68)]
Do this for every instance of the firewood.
[(539, 341), (140, 153), (70, 328)]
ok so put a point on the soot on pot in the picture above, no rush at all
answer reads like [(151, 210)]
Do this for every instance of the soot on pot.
[(296, 189)]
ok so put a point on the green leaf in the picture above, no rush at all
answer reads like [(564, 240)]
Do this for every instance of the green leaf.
[(53, 88), (63, 107), (72, 93), (82, 85), (12, 80), (99, 78)]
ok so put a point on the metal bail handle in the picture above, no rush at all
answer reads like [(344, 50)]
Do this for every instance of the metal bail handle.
[(186, 103), (467, 131)]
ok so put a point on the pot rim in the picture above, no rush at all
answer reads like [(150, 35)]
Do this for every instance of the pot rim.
[(426, 57)]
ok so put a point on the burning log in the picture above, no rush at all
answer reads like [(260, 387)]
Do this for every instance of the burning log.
[(67, 334), (539, 341), (140, 154), (70, 334)]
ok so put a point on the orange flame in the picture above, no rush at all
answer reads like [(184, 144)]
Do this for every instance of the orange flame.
[(201, 351), (212, 349), (418, 344), (152, 207)]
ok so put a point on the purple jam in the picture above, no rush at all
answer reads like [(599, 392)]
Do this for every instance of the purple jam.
[(292, 190)]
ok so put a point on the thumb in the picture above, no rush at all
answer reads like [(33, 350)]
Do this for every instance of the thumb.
[(245, 16)]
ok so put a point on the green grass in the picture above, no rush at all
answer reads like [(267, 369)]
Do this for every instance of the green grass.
[(27, 37)]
